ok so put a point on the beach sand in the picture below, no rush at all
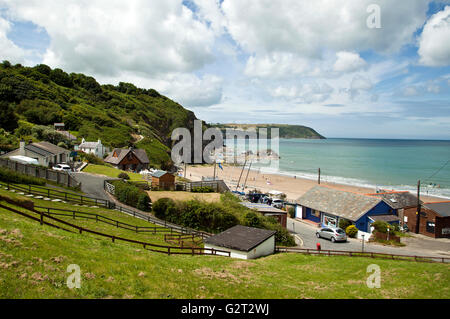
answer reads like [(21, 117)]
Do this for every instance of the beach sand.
[(292, 187)]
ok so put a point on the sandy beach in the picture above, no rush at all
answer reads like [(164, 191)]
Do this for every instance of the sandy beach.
[(292, 187)]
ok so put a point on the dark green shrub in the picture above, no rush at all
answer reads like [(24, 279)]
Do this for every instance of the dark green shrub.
[(351, 231), (10, 176), (123, 176), (160, 207), (131, 195), (291, 212), (344, 223), (251, 219), (91, 158), (381, 226), (203, 189)]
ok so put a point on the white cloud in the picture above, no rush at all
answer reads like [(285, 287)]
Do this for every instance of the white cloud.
[(434, 43), (8, 50), (307, 93), (107, 37), (306, 27), (348, 62)]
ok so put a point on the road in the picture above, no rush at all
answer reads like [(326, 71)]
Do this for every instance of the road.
[(92, 184), (417, 245)]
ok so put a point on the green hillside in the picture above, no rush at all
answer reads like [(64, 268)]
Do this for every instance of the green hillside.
[(32, 99), (285, 130)]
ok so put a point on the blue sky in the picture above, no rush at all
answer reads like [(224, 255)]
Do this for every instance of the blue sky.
[(297, 62)]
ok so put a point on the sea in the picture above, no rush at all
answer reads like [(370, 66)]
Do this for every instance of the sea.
[(375, 163)]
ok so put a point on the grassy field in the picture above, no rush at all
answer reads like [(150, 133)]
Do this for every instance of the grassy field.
[(110, 171), (34, 261), (208, 197)]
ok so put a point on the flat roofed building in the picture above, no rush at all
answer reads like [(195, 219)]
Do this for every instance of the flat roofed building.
[(243, 242)]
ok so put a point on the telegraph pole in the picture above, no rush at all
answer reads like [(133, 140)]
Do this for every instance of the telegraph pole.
[(237, 186), (214, 170), (418, 208), (318, 179)]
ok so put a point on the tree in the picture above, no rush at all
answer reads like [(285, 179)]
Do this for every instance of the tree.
[(61, 78), (8, 119), (43, 68)]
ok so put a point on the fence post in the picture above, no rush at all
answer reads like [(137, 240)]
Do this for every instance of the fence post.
[(42, 218), (73, 212), (168, 251), (29, 188), (136, 229)]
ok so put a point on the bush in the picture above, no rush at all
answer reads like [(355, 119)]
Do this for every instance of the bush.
[(381, 226), (251, 219), (131, 195), (123, 176), (10, 176), (344, 223), (203, 189), (91, 158), (351, 231), (291, 212), (160, 207)]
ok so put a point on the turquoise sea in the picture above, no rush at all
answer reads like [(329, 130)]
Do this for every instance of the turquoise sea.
[(383, 163)]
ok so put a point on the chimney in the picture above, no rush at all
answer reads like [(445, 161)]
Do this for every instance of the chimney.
[(22, 147)]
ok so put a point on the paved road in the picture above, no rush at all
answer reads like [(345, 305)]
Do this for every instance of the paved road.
[(417, 245), (92, 184)]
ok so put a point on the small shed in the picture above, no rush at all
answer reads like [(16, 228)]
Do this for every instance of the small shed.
[(434, 219), (243, 242), (163, 180), (268, 210)]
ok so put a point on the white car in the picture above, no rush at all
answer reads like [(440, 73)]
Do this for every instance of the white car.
[(62, 167)]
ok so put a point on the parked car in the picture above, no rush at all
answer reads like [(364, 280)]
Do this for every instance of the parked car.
[(277, 203), (62, 167), (334, 234)]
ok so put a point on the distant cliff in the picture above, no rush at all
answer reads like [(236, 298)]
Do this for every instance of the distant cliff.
[(286, 131)]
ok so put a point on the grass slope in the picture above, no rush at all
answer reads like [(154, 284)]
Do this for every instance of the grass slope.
[(110, 171), (34, 260)]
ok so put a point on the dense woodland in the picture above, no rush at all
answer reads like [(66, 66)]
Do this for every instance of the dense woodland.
[(32, 99)]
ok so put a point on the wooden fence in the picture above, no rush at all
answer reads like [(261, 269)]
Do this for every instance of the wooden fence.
[(56, 194), (362, 254), (103, 219), (45, 219), (60, 177)]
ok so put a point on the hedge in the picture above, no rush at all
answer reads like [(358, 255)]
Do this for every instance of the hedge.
[(10, 176), (131, 195)]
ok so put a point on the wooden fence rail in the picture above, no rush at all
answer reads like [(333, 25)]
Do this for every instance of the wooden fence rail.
[(362, 254), (169, 250), (56, 194), (100, 218)]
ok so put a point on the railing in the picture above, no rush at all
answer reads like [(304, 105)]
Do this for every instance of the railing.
[(56, 194), (103, 219), (169, 250), (59, 177), (362, 254), (182, 240)]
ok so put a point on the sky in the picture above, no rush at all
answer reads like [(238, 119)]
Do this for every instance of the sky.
[(353, 68)]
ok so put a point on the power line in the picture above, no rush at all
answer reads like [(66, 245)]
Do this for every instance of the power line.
[(440, 169)]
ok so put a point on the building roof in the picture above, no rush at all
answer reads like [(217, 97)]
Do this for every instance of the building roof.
[(122, 152), (45, 149), (159, 173), (385, 218), (339, 203), (240, 237), (89, 145), (398, 200), (263, 208), (441, 208)]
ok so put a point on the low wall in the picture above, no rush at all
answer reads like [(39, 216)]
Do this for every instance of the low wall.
[(62, 178)]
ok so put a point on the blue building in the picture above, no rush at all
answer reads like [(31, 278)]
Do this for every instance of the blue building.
[(326, 206)]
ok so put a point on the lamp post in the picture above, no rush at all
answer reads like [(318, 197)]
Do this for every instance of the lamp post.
[(362, 242)]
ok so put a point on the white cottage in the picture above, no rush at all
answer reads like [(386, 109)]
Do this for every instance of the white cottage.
[(243, 242), (95, 148)]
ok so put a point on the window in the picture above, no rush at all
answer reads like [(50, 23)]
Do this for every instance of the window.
[(430, 227)]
